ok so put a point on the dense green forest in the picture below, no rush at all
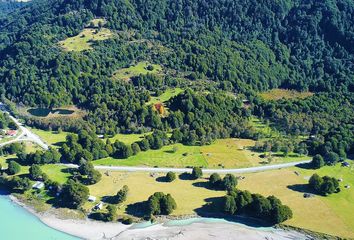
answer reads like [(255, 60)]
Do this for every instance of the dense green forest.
[(8, 6), (222, 51)]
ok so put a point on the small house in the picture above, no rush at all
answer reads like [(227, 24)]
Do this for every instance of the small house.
[(38, 185), (345, 164), (91, 199), (98, 206), (11, 133)]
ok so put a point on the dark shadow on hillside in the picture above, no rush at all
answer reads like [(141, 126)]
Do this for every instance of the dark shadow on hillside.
[(162, 179), (169, 151), (16, 160), (109, 199), (304, 166), (59, 144), (185, 176), (206, 185), (69, 170), (98, 216), (139, 209), (303, 188)]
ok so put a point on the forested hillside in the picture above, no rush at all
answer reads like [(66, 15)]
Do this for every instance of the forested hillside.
[(239, 47), (8, 6)]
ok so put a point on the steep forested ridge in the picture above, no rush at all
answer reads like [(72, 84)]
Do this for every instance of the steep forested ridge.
[(241, 47), (8, 6)]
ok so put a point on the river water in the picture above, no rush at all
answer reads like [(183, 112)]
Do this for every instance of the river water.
[(16, 223)]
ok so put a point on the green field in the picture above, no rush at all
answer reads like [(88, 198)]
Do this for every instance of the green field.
[(83, 40), (56, 173), (51, 137), (276, 94), (4, 162), (167, 95), (142, 185), (332, 214), (139, 68), (164, 157), (128, 138), (228, 153)]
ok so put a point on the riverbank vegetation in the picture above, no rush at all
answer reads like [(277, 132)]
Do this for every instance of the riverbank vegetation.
[(262, 82)]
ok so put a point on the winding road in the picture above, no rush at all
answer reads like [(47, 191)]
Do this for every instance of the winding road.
[(25, 133)]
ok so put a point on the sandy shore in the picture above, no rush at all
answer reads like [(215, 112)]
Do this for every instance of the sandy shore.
[(88, 229)]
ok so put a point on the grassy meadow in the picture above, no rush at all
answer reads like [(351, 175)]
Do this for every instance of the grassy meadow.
[(167, 95), (140, 68), (52, 138), (276, 94), (332, 214), (164, 157), (223, 153), (142, 185), (83, 41), (128, 138)]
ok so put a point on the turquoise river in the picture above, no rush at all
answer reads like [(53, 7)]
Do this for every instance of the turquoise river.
[(16, 223)]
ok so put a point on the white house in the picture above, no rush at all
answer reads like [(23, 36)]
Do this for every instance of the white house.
[(91, 199), (98, 206), (38, 185)]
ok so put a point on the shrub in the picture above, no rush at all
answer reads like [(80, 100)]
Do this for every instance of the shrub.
[(317, 161), (197, 172), (229, 182), (13, 168), (170, 176), (159, 203), (214, 180)]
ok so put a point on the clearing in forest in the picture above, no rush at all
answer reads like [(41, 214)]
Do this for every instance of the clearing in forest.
[(164, 97), (140, 68), (83, 41), (277, 93)]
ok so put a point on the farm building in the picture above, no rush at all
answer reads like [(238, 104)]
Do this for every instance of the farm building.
[(91, 199), (11, 133), (98, 206), (38, 185), (345, 164)]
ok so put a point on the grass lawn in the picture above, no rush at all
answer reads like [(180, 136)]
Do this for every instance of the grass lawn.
[(83, 40), (51, 137), (141, 185), (164, 157), (276, 94), (128, 138), (139, 68), (228, 153), (56, 173), (167, 95), (4, 163), (332, 215)]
